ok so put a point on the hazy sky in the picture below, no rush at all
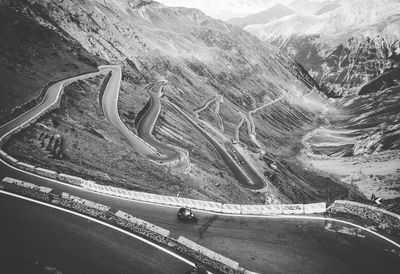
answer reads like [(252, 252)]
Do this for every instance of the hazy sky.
[(225, 9)]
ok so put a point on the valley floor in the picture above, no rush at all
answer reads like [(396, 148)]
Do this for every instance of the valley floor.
[(359, 144), (376, 174)]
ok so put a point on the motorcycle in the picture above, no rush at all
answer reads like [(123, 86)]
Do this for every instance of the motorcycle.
[(186, 214)]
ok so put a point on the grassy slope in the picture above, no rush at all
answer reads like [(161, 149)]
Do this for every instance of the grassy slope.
[(31, 56)]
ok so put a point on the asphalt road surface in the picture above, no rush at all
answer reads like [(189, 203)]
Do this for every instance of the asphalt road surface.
[(146, 125), (34, 237), (110, 110), (266, 245)]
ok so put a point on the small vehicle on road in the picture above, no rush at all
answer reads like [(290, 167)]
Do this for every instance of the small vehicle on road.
[(186, 214)]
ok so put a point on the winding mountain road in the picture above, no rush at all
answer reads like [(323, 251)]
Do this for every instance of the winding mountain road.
[(146, 125), (110, 109), (267, 244), (144, 143)]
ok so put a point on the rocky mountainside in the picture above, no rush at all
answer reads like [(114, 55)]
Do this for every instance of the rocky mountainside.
[(352, 49), (202, 58), (275, 12), (343, 44), (307, 7), (31, 55)]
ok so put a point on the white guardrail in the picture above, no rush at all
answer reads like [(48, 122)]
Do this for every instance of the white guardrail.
[(207, 205), (170, 200)]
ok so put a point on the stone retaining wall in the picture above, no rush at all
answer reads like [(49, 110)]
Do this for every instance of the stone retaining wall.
[(384, 219), (46, 172), (26, 167), (27, 189), (208, 256), (84, 207)]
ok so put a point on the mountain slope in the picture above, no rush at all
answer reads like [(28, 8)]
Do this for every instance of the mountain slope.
[(343, 45), (33, 55), (275, 12), (307, 7), (202, 58)]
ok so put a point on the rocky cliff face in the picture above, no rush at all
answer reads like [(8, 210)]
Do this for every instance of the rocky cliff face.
[(348, 66), (343, 44), (351, 48)]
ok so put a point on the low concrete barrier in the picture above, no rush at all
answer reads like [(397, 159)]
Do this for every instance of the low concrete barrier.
[(315, 208), (195, 204), (135, 195), (70, 179), (213, 206), (125, 193), (85, 206), (206, 205), (252, 209), (226, 263), (142, 223), (88, 185), (11, 159), (46, 172), (3, 154), (147, 197), (272, 209), (168, 200), (27, 189), (231, 209), (27, 167), (119, 192), (293, 209)]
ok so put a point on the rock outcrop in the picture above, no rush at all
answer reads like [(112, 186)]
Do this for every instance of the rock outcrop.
[(343, 45)]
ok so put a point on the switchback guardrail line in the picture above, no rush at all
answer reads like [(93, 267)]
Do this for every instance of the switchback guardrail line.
[(170, 200)]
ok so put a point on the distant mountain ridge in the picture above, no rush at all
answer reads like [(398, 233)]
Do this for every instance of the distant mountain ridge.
[(275, 12), (342, 44)]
